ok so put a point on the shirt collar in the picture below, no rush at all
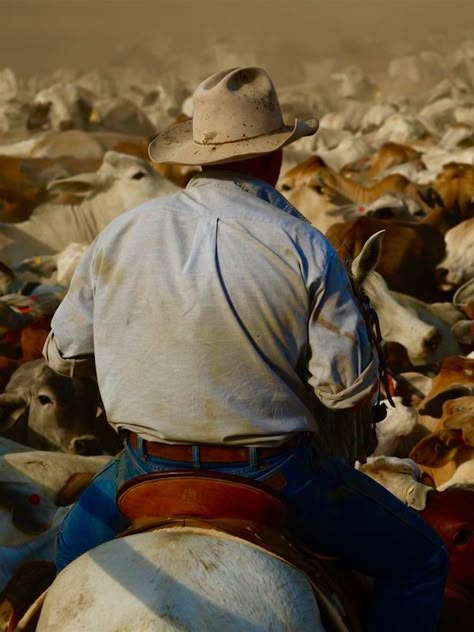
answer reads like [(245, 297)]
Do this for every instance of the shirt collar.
[(249, 184)]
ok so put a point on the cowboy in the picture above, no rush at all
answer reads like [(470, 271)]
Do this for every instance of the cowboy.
[(220, 324)]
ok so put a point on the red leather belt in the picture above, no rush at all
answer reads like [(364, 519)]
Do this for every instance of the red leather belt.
[(208, 453)]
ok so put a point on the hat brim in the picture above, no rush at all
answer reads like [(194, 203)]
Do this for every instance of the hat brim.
[(175, 145)]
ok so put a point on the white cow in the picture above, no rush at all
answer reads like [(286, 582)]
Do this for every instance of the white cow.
[(180, 579), (29, 517), (67, 106), (397, 128), (399, 422), (442, 316), (458, 265), (121, 183), (349, 150), (375, 116), (400, 477), (463, 476), (72, 142)]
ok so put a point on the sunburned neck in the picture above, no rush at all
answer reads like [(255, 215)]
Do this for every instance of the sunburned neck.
[(266, 167)]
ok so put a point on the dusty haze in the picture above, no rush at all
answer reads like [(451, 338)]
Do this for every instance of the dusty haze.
[(38, 36)]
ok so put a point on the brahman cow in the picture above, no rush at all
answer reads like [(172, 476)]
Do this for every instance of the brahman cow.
[(450, 445), (458, 265), (49, 411), (410, 255), (389, 155), (74, 143), (62, 107), (34, 487), (313, 188), (122, 182), (23, 182), (451, 514), (454, 379), (399, 423)]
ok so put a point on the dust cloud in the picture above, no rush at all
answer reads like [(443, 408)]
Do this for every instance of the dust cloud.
[(195, 37)]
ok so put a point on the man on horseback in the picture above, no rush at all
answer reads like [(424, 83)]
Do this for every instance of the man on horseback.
[(225, 336)]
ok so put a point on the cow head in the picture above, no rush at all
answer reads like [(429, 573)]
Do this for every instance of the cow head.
[(122, 180), (455, 186), (311, 188), (397, 323), (400, 477), (457, 267), (56, 412), (437, 449), (451, 514), (454, 380)]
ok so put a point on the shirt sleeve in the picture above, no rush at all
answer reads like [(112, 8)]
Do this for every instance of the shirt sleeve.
[(69, 348), (342, 366)]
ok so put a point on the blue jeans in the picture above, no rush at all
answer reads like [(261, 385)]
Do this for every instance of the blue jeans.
[(333, 508)]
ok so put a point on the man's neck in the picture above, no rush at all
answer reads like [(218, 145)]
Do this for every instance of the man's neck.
[(266, 167)]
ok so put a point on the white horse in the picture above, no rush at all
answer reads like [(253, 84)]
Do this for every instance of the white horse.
[(181, 578)]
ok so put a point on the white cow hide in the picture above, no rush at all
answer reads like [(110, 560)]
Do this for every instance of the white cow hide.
[(459, 258), (464, 476), (39, 547), (64, 100), (400, 477), (349, 150), (442, 316), (121, 183), (29, 519), (398, 128), (399, 422)]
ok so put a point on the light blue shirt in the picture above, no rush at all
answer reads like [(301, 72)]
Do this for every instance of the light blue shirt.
[(216, 315)]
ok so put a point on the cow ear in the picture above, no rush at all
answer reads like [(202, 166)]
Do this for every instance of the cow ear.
[(417, 496), (81, 184), (369, 257), (12, 407), (462, 421)]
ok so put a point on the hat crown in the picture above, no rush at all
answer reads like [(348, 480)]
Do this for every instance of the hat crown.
[(235, 105)]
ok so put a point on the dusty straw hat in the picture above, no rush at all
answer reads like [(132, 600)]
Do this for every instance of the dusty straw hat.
[(236, 116)]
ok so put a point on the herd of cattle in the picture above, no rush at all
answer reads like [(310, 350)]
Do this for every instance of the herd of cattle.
[(389, 178)]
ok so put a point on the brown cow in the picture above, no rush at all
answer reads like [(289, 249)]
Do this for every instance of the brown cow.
[(455, 185), (455, 379), (316, 174), (410, 254), (23, 182), (451, 444), (451, 514), (179, 174), (389, 155)]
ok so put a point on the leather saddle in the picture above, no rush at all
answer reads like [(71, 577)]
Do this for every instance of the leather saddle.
[(253, 512)]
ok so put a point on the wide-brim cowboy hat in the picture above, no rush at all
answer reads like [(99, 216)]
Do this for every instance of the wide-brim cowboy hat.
[(236, 115)]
